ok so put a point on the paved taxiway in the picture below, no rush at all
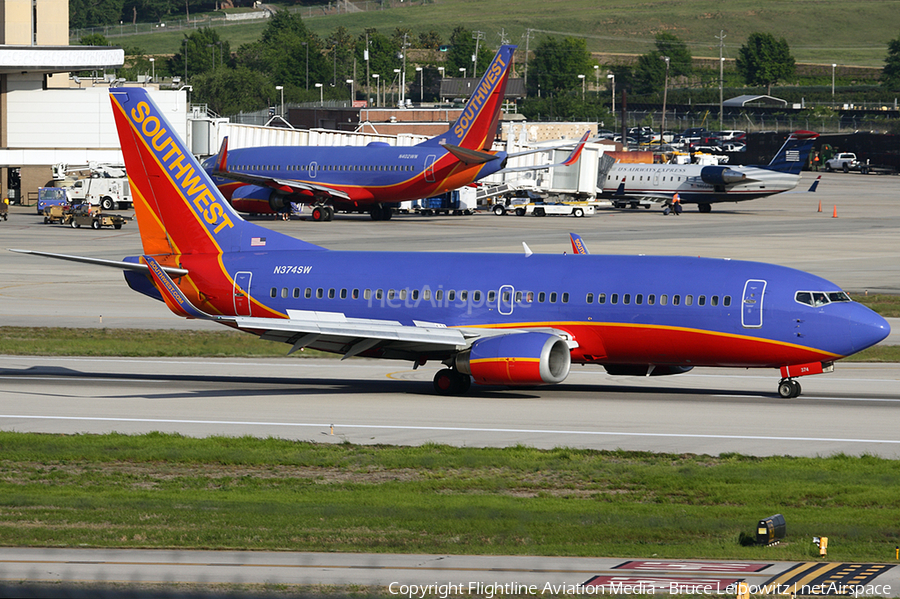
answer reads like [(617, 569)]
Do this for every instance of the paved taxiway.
[(707, 411)]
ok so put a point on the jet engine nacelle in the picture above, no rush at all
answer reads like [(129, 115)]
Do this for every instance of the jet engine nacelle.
[(644, 369), (255, 199), (721, 175), (517, 359)]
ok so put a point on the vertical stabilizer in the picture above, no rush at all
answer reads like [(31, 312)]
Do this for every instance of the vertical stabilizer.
[(794, 153), (178, 208), (476, 127)]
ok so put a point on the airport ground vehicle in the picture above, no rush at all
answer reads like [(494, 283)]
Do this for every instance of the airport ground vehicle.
[(84, 215), (56, 214), (559, 208), (51, 196), (457, 202), (108, 193), (844, 161)]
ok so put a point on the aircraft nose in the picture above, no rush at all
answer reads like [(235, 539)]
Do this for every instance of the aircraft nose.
[(866, 328)]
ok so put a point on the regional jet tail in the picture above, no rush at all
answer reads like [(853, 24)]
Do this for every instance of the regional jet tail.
[(370, 178), (706, 185), (522, 321)]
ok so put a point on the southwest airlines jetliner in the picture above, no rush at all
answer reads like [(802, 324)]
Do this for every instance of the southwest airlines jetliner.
[(506, 320), (706, 185), (269, 179)]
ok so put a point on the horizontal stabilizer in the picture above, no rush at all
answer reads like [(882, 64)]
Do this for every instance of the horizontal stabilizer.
[(178, 272)]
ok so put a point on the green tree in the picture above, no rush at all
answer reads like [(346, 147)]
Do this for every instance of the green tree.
[(462, 48), (201, 51), (430, 40), (383, 59), (230, 91), (288, 53), (763, 60), (890, 75), (340, 45), (93, 39), (86, 13), (650, 71), (556, 65), (680, 59)]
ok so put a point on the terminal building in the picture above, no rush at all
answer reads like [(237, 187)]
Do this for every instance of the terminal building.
[(49, 116)]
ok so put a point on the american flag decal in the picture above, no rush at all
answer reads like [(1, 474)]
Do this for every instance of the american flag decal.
[(257, 242)]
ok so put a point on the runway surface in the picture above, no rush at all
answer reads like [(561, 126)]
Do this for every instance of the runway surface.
[(706, 411), (409, 575), (853, 410)]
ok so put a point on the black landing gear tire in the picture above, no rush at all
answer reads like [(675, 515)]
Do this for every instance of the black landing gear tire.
[(451, 382), (789, 389)]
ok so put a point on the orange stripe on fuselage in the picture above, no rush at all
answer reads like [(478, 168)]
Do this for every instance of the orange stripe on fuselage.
[(627, 343)]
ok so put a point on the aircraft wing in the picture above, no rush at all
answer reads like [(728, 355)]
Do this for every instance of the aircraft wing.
[(570, 159), (284, 185)]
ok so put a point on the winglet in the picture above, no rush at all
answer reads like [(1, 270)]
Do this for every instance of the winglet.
[(221, 165), (467, 156), (815, 184), (578, 246), (528, 251), (576, 153), (174, 298), (620, 191)]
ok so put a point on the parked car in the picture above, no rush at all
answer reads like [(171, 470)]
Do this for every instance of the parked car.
[(730, 134)]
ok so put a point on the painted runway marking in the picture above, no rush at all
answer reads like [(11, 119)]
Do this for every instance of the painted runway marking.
[(682, 566), (455, 429)]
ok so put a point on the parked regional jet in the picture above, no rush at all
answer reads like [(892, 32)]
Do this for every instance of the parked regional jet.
[(507, 320), (706, 185), (269, 179)]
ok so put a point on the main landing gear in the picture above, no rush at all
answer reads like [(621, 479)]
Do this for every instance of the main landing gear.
[(322, 212), (451, 382), (789, 388), (379, 212)]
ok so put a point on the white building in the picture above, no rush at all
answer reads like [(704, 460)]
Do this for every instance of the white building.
[(48, 116)]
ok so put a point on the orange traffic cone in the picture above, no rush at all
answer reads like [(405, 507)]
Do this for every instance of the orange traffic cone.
[(820, 206), (834, 214)]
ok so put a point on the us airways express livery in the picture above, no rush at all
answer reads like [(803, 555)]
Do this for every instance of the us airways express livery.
[(505, 320)]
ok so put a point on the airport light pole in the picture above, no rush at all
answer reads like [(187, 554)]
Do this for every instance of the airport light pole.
[(833, 65), (307, 64), (398, 79), (463, 71), (153, 73), (440, 91), (665, 94), (321, 94), (281, 89), (597, 78), (612, 79), (582, 87), (352, 95), (377, 79), (421, 84), (185, 42)]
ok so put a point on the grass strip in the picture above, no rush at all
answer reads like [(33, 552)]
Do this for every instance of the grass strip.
[(59, 341), (169, 491)]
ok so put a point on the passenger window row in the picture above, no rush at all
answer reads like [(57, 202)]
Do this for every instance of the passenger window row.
[(662, 300), (326, 167)]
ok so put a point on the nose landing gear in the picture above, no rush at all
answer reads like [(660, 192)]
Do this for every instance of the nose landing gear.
[(789, 388)]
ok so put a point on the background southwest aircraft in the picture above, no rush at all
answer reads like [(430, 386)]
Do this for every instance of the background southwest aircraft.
[(268, 179), (513, 319), (706, 185)]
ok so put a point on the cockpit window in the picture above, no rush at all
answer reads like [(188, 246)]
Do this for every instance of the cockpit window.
[(820, 298)]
